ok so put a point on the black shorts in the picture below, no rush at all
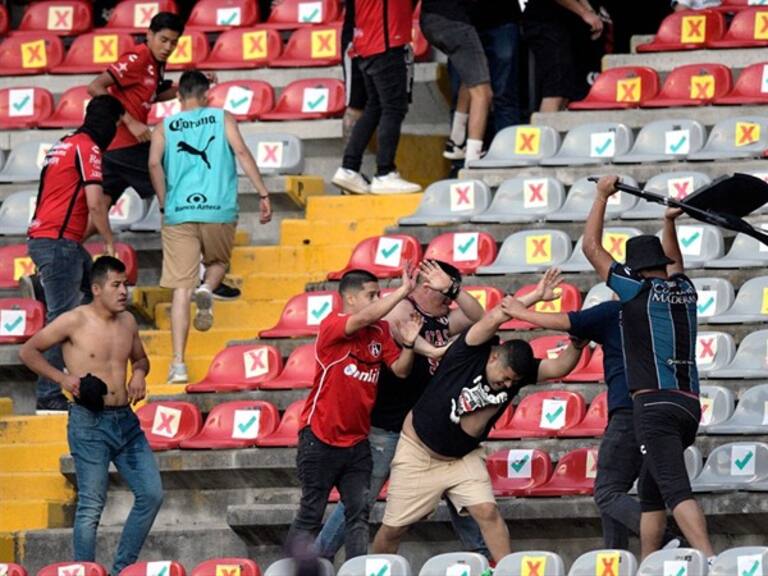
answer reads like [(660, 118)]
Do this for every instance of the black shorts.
[(461, 43), (353, 81), (550, 42), (665, 425), (127, 167)]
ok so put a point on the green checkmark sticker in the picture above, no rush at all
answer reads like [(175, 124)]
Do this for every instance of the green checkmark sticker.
[(244, 427), (312, 104), (466, 246), (21, 103), (679, 144), (163, 572), (311, 16), (238, 103), (703, 307), (229, 20), (382, 572), (741, 464), (517, 465), (11, 326), (604, 147), (691, 239), (320, 311), (752, 570), (681, 572), (552, 416), (387, 252)]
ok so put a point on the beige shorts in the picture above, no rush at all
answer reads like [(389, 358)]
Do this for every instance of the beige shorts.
[(417, 482), (184, 245)]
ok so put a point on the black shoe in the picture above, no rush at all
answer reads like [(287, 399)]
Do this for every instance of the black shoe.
[(32, 288), (225, 292), (56, 404)]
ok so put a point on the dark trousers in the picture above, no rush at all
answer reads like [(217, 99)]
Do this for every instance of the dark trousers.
[(320, 467), (386, 86)]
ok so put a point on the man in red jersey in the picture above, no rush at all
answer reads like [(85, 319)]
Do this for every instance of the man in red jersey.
[(70, 208), (136, 79), (352, 348)]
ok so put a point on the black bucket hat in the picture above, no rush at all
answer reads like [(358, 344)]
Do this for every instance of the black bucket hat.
[(644, 252)]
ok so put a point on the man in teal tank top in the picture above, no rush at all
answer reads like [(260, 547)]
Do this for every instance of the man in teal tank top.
[(192, 166)]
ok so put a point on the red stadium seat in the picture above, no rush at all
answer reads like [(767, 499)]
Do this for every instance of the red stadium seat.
[(245, 99), (749, 28), (686, 30), (419, 42), (244, 48), (4, 20), (751, 87), (26, 54), (161, 110), (383, 256), (488, 296), (501, 424), (569, 301), (594, 422), (70, 112), (235, 424), (619, 88), (450, 248), (290, 14), (61, 17), (551, 346), (124, 252), (287, 433), (298, 372), (216, 15), (24, 107), (166, 424), (227, 567), (156, 568), (544, 414), (311, 46), (515, 472), (134, 16), (302, 315), (692, 85), (12, 569), (309, 99), (191, 50), (93, 52), (20, 318), (242, 367), (574, 475), (592, 371), (73, 569)]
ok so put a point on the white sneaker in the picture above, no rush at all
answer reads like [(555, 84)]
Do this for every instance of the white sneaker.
[(177, 373), (351, 181), (204, 301), (392, 183)]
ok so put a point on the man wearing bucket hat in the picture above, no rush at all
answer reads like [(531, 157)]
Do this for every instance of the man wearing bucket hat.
[(658, 331)]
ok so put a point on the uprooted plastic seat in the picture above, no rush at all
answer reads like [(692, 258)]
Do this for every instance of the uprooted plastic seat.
[(303, 314), (287, 432), (276, 153), (620, 88), (450, 201), (739, 560), (677, 185), (616, 562), (614, 241), (166, 424), (544, 414), (594, 143), (581, 196), (218, 15), (739, 137), (246, 100), (745, 252), (24, 107), (522, 145), (443, 564), (686, 30), (717, 404), (382, 256), (734, 466), (514, 472), (376, 564), (16, 212), (236, 424), (715, 297), (522, 199), (225, 566), (665, 141), (242, 367), (750, 360), (714, 351), (20, 319), (692, 85), (749, 416), (574, 475), (530, 251), (156, 568), (467, 251), (749, 305), (531, 562), (298, 372)]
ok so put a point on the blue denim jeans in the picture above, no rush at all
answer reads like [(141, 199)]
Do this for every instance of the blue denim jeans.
[(95, 440), (502, 47), (64, 267), (383, 444)]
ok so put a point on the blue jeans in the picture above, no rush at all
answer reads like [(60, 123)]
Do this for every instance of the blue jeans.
[(64, 267), (95, 440), (383, 444), (502, 46)]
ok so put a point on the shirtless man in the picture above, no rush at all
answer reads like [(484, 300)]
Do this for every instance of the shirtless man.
[(98, 340)]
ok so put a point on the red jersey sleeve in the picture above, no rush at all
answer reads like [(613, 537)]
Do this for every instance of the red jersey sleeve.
[(129, 69), (89, 162), (332, 332), (391, 351)]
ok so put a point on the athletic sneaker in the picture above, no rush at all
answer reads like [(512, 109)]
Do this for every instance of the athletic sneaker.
[(177, 373), (454, 151), (226, 292), (204, 301), (351, 181), (392, 183)]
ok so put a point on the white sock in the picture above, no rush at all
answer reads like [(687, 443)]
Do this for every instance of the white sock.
[(474, 148), (459, 127)]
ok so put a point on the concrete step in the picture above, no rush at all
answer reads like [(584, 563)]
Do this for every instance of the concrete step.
[(274, 285), (361, 207), (257, 315), (290, 259), (6, 406), (35, 485), (736, 58), (34, 514), (205, 402), (157, 343), (323, 232), (32, 429), (26, 456)]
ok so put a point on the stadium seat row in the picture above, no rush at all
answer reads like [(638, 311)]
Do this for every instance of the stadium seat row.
[(603, 142), (689, 85)]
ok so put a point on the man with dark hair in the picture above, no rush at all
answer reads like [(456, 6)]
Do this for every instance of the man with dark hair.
[(351, 350), (658, 330), (192, 166), (68, 210), (439, 450), (98, 341)]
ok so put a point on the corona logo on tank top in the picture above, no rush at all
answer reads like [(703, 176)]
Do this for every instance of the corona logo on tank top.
[(178, 124)]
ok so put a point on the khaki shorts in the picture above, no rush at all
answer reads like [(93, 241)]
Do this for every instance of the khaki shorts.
[(417, 482), (184, 245)]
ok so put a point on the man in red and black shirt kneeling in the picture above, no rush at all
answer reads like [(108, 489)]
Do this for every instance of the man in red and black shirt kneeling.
[(352, 348)]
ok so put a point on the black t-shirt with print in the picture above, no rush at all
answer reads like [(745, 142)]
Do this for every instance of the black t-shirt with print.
[(459, 387)]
